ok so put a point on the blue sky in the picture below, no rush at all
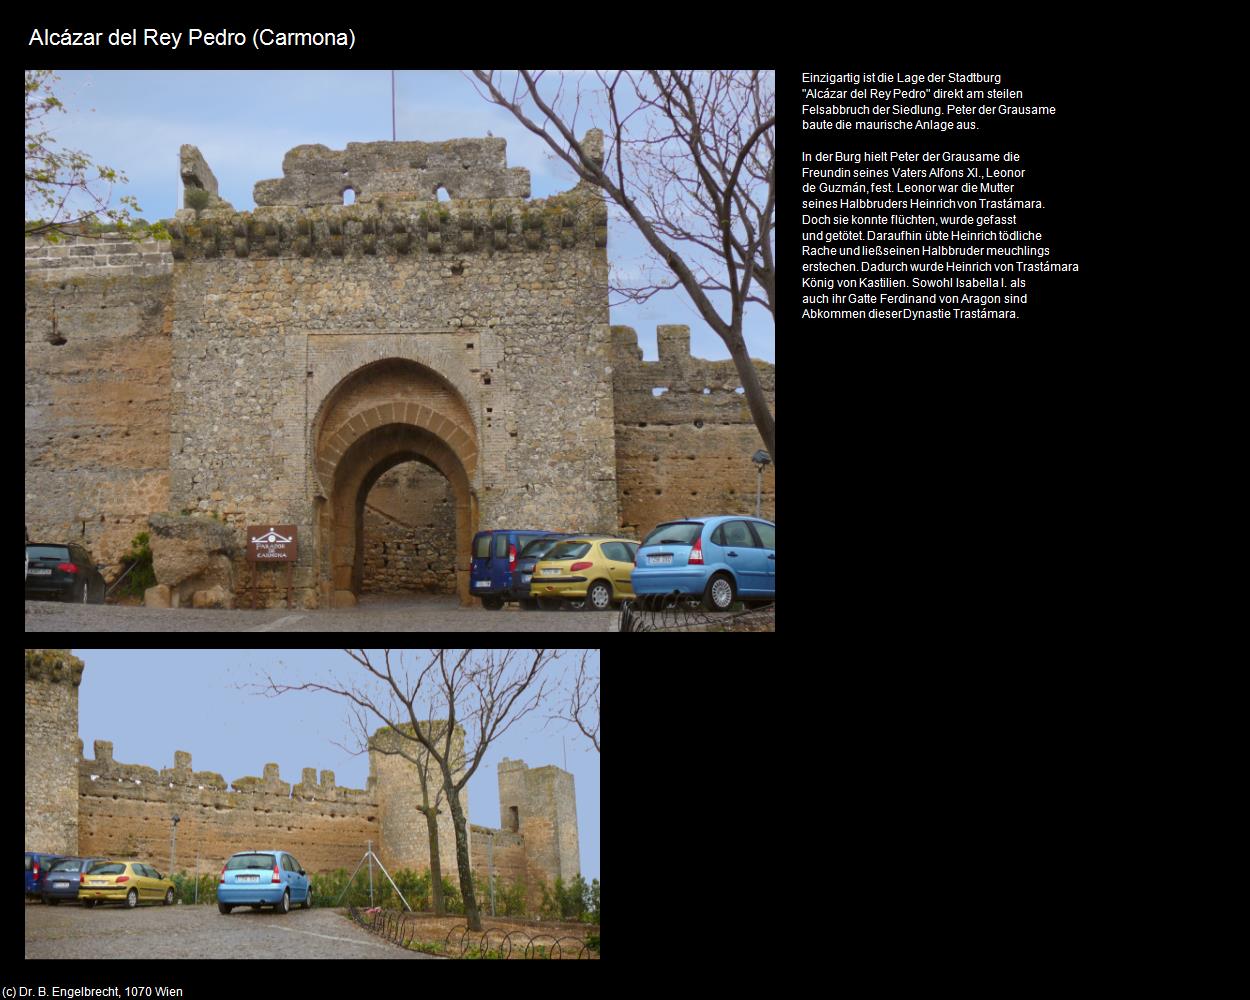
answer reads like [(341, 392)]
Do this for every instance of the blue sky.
[(201, 706), (245, 121)]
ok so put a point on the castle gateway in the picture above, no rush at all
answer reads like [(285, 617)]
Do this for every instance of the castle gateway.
[(320, 364)]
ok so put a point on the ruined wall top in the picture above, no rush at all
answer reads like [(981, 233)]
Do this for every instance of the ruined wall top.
[(678, 387), (466, 168)]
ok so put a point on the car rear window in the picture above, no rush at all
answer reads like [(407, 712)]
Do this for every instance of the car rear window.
[(678, 533), (568, 550), (501, 545), (250, 861), (538, 546), (72, 865), (48, 552), (481, 547), (28, 862), (108, 868)]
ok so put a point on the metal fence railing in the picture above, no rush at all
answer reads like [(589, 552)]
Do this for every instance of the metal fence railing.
[(675, 612), (495, 942)]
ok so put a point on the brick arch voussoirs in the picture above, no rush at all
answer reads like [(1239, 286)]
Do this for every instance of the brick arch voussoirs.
[(334, 444), (348, 456)]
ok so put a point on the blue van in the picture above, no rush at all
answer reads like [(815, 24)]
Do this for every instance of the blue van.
[(37, 865), (494, 564)]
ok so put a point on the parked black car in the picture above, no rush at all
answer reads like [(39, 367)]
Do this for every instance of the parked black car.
[(63, 573)]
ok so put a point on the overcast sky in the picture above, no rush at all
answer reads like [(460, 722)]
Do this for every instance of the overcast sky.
[(244, 122), (150, 703)]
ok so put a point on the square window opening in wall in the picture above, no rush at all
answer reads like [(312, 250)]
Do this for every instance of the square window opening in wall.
[(514, 819), (486, 380)]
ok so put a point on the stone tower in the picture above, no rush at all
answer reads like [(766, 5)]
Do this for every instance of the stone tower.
[(397, 784), (539, 804), (52, 750)]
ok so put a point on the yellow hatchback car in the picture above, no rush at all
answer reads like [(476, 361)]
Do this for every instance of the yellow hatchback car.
[(126, 882), (589, 573)]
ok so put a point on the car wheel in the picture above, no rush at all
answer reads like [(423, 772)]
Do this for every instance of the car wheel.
[(224, 908), (308, 898), (599, 597), (285, 905), (132, 899), (719, 594), (169, 898), (492, 603)]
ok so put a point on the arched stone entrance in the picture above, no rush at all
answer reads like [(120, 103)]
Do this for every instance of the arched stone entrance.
[(388, 412)]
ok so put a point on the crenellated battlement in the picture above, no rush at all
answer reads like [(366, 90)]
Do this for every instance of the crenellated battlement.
[(561, 222), (678, 388), (53, 666), (105, 769)]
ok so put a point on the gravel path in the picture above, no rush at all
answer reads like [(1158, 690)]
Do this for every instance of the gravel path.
[(375, 614), (153, 931)]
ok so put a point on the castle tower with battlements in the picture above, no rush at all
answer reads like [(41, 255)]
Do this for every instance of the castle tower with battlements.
[(52, 750)]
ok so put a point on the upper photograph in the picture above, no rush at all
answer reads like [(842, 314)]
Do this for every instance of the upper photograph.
[(400, 351)]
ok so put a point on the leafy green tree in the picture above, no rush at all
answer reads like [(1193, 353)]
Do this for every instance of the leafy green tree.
[(64, 187)]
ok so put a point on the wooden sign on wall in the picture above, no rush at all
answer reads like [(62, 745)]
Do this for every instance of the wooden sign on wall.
[(275, 543)]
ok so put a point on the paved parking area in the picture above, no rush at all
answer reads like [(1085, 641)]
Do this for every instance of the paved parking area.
[(72, 931), (375, 614)]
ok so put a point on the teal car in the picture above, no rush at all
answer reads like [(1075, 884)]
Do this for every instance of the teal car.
[(263, 878)]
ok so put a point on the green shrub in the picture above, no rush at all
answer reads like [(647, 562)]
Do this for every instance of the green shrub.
[(142, 576), (184, 886), (196, 198)]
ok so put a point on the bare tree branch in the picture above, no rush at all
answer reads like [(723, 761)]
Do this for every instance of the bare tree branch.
[(690, 156)]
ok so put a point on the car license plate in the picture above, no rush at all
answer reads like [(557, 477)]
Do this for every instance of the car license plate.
[(482, 583), (552, 572), (665, 559), (247, 878), (60, 885), (41, 572)]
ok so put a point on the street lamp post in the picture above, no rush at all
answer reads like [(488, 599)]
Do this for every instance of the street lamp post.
[(761, 458), (173, 841)]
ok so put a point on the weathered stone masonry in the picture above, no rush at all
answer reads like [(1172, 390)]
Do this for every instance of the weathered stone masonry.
[(271, 366), (103, 807)]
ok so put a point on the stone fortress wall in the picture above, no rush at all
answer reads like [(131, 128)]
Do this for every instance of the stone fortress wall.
[(98, 318), (271, 366), (100, 806), (686, 450)]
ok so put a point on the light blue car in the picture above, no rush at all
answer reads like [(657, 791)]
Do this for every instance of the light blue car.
[(263, 878), (716, 559)]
